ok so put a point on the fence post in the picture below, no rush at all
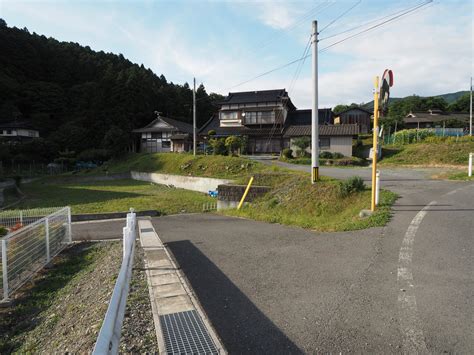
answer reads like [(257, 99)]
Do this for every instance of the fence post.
[(69, 230), (4, 270), (377, 188), (46, 227), (470, 165)]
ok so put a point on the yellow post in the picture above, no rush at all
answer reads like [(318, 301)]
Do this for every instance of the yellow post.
[(375, 141), (245, 193)]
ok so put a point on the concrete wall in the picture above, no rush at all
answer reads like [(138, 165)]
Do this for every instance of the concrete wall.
[(200, 184), (229, 195)]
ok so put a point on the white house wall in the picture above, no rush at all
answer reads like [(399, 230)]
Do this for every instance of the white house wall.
[(338, 144)]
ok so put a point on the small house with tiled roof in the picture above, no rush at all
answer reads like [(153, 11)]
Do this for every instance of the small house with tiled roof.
[(18, 131), (165, 134)]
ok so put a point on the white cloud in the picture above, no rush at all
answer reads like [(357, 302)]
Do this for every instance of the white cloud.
[(429, 56)]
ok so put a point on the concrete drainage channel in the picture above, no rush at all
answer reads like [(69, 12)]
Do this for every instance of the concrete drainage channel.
[(180, 322)]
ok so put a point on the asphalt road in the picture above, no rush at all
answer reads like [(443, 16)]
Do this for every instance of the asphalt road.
[(404, 288)]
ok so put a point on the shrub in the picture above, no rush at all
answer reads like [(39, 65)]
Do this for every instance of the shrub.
[(218, 146), (325, 155), (211, 132), (351, 185), (337, 155), (287, 153), (232, 143), (302, 143), (3, 231)]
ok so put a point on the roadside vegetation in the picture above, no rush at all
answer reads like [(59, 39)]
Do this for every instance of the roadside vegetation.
[(432, 151), (217, 166), (325, 158), (329, 205), (110, 196), (62, 309)]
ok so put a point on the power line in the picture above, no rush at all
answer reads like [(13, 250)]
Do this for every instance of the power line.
[(400, 15), (368, 22), (375, 26), (340, 16)]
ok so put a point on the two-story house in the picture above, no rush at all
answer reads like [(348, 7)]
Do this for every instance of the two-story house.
[(261, 116)]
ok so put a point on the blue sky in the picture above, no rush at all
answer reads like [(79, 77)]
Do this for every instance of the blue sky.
[(224, 43)]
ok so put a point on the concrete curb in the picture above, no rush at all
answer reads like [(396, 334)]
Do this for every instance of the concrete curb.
[(112, 215)]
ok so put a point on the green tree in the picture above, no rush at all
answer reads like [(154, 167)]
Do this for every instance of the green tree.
[(302, 143), (233, 143), (461, 104), (218, 146)]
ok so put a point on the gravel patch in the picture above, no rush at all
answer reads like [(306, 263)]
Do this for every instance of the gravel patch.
[(138, 330)]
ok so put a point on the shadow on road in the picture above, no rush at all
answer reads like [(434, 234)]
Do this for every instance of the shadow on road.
[(242, 327)]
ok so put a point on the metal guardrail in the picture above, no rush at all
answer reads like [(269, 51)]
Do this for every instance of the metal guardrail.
[(108, 340), (29, 248)]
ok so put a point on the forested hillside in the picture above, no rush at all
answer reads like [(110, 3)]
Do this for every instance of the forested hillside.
[(81, 99)]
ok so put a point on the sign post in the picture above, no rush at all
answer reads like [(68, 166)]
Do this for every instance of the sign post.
[(386, 83)]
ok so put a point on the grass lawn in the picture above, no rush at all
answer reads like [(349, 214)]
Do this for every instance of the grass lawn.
[(111, 196), (295, 201), (448, 152), (217, 166)]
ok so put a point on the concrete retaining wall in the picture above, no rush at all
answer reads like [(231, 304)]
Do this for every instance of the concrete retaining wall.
[(200, 184), (229, 195)]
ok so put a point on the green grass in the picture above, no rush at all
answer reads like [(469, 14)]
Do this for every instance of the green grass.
[(217, 166), (16, 321), (295, 201), (111, 196), (448, 152), (346, 162), (462, 175)]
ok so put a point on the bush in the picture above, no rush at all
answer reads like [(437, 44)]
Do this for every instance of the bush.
[(287, 153), (337, 155), (3, 231), (218, 146), (325, 155), (351, 185)]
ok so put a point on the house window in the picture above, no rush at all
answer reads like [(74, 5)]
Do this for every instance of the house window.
[(9, 131), (166, 144), (156, 135), (259, 117), (233, 115), (324, 143)]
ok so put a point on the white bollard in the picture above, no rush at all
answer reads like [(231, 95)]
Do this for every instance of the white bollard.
[(470, 165), (377, 187)]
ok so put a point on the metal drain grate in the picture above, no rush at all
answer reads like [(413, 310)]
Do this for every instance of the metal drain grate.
[(185, 333), (145, 230)]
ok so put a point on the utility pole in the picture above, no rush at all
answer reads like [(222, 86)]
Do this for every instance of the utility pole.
[(194, 117), (375, 148), (470, 112), (314, 110)]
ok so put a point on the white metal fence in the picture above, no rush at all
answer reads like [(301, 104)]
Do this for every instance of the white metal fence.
[(108, 340), (18, 218), (26, 250)]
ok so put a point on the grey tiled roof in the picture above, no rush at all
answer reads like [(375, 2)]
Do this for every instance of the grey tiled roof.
[(425, 117), (178, 125), (324, 130)]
